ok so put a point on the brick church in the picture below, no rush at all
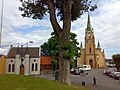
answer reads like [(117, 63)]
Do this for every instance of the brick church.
[(90, 55)]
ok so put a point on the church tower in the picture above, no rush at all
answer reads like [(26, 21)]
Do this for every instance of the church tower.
[(89, 45), (90, 55)]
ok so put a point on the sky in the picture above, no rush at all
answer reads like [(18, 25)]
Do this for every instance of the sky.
[(105, 21)]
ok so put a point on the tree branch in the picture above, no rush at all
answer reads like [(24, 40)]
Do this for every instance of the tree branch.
[(67, 15), (53, 18)]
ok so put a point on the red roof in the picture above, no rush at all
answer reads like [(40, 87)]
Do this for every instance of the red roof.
[(46, 60)]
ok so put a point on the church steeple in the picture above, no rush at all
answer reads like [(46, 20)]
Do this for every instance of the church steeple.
[(88, 23), (81, 45), (89, 28), (98, 45)]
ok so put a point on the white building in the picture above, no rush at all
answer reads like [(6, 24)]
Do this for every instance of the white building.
[(23, 60)]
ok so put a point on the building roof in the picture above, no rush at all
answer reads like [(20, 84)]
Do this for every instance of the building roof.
[(46, 60), (33, 51)]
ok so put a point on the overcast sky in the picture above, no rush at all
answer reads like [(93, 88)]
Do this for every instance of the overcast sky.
[(105, 21)]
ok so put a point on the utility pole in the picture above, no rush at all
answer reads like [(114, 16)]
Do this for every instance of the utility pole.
[(1, 23)]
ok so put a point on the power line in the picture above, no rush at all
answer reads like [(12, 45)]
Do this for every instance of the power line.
[(1, 23)]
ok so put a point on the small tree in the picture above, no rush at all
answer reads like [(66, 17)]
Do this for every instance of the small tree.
[(54, 65), (116, 59)]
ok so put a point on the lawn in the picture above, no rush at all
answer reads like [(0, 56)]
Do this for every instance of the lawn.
[(18, 82)]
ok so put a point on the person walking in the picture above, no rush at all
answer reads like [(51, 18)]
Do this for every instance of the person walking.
[(94, 80)]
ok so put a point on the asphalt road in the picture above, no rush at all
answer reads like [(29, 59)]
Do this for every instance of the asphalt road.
[(103, 82)]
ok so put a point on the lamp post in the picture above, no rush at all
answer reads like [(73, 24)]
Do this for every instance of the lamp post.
[(22, 57)]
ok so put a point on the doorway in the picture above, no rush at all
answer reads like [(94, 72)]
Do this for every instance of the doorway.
[(21, 69), (91, 63)]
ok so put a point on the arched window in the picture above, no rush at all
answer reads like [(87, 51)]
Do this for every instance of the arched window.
[(90, 50), (32, 67), (36, 67), (9, 67), (13, 67)]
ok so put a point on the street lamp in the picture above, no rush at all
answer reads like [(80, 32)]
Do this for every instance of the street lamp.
[(21, 56)]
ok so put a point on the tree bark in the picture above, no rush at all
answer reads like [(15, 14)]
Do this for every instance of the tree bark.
[(64, 64), (63, 35)]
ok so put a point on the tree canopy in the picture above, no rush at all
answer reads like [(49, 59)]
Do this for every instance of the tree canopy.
[(37, 9)]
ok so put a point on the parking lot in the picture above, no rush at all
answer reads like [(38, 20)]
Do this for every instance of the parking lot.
[(103, 82)]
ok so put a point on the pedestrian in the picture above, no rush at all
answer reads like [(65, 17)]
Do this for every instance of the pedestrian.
[(94, 80)]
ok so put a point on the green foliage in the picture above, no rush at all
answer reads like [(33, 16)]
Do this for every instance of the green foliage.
[(51, 48), (20, 82), (37, 9), (116, 59), (54, 64)]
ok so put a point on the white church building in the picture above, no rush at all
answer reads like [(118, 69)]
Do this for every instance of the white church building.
[(23, 60)]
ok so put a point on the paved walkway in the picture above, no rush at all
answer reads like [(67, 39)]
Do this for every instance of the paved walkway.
[(103, 82)]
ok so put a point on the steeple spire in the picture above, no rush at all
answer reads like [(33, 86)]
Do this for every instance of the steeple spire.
[(89, 28), (88, 23), (98, 45), (81, 45)]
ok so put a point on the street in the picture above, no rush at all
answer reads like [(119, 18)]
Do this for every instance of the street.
[(103, 82)]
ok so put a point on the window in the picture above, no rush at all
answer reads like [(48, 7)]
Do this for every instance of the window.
[(13, 67), (36, 67), (9, 67), (90, 50), (32, 67)]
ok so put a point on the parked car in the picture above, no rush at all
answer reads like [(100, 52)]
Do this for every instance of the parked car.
[(111, 74), (107, 72), (75, 71), (85, 67), (117, 76)]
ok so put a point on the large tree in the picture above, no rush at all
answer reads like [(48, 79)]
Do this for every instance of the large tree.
[(67, 11), (116, 59)]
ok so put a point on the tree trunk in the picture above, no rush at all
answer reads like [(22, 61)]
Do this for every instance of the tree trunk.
[(64, 64), (62, 34)]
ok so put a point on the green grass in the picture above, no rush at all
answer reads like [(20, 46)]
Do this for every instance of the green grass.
[(18, 82)]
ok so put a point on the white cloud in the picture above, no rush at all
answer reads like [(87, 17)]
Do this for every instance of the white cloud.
[(105, 21)]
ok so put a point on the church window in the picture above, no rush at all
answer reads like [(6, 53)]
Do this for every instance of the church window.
[(90, 50), (36, 67), (13, 67), (9, 67), (32, 67)]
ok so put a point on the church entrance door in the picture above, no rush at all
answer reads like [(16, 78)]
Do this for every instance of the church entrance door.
[(21, 69), (91, 63)]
